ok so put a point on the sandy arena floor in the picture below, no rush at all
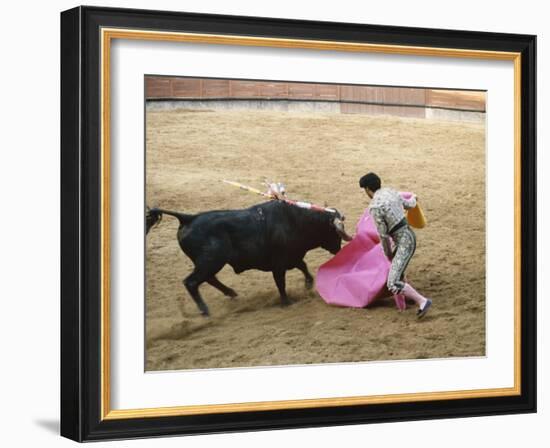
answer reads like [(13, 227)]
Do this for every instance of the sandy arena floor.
[(320, 157)]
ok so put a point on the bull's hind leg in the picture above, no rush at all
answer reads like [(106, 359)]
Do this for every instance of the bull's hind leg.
[(279, 276), (192, 282), (308, 278), (221, 287)]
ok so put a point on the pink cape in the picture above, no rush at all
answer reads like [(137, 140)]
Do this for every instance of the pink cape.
[(356, 276)]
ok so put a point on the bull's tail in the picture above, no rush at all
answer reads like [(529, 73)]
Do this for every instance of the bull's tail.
[(154, 216)]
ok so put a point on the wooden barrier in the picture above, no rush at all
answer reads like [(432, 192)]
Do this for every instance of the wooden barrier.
[(404, 101)]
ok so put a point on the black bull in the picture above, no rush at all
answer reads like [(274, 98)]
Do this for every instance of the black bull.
[(273, 236)]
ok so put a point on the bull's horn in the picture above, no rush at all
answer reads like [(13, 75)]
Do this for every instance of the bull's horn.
[(339, 226)]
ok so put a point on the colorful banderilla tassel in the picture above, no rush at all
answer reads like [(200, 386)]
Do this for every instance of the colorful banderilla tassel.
[(300, 204)]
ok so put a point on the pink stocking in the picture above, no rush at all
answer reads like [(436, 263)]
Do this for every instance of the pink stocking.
[(413, 294), (400, 301)]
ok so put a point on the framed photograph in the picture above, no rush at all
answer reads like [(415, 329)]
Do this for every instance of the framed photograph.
[(272, 223)]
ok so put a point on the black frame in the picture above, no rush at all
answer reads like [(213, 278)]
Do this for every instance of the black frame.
[(81, 213)]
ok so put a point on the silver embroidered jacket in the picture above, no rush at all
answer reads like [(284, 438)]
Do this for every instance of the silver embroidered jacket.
[(387, 208)]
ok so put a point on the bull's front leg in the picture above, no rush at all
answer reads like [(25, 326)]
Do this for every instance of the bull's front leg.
[(308, 277), (280, 280)]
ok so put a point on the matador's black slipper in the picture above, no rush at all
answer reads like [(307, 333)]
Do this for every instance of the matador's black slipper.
[(421, 313)]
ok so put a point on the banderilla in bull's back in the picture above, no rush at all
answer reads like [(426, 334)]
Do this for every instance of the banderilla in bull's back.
[(276, 190)]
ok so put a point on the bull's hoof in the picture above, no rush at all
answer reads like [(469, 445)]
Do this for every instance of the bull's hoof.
[(286, 302), (204, 311), (231, 293), (309, 283)]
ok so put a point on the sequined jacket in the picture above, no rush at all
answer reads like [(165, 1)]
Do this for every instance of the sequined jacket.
[(387, 208)]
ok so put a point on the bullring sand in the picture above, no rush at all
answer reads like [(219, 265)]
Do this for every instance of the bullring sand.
[(320, 158)]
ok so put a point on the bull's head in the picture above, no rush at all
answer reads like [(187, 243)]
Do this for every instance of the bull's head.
[(337, 233)]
